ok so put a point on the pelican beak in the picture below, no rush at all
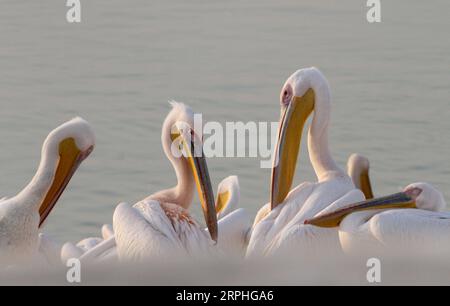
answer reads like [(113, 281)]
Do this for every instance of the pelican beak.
[(405, 199), (222, 200), (366, 186), (70, 158), (192, 145), (293, 118)]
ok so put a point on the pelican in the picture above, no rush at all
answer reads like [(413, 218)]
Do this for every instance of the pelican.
[(22, 215), (358, 167), (279, 224), (161, 224), (411, 220)]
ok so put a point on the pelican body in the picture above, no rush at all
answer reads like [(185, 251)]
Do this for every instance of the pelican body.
[(233, 226)]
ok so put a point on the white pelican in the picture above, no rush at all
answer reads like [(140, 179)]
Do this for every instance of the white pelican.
[(410, 220), (21, 216), (279, 224), (358, 167), (161, 226), (161, 223)]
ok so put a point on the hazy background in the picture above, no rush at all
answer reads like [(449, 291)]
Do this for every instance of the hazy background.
[(228, 60), (400, 269)]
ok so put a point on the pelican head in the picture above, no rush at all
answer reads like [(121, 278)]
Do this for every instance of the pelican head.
[(228, 195), (358, 169), (417, 195), (62, 153), (426, 196), (183, 144), (297, 99)]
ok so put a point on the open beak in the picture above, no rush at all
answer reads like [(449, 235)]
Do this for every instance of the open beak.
[(200, 172), (406, 199), (293, 118), (70, 158)]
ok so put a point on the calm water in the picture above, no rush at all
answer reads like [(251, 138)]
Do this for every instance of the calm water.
[(228, 60)]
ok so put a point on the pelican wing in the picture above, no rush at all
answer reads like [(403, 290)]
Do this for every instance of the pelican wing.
[(49, 248), (89, 243), (69, 251), (311, 239), (284, 226), (105, 251), (268, 224), (143, 231), (94, 249), (233, 232), (417, 229), (146, 231)]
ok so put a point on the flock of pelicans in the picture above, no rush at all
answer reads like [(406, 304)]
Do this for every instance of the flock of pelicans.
[(338, 212)]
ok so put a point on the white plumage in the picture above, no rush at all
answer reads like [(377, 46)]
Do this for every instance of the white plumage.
[(425, 229), (150, 229), (234, 224)]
